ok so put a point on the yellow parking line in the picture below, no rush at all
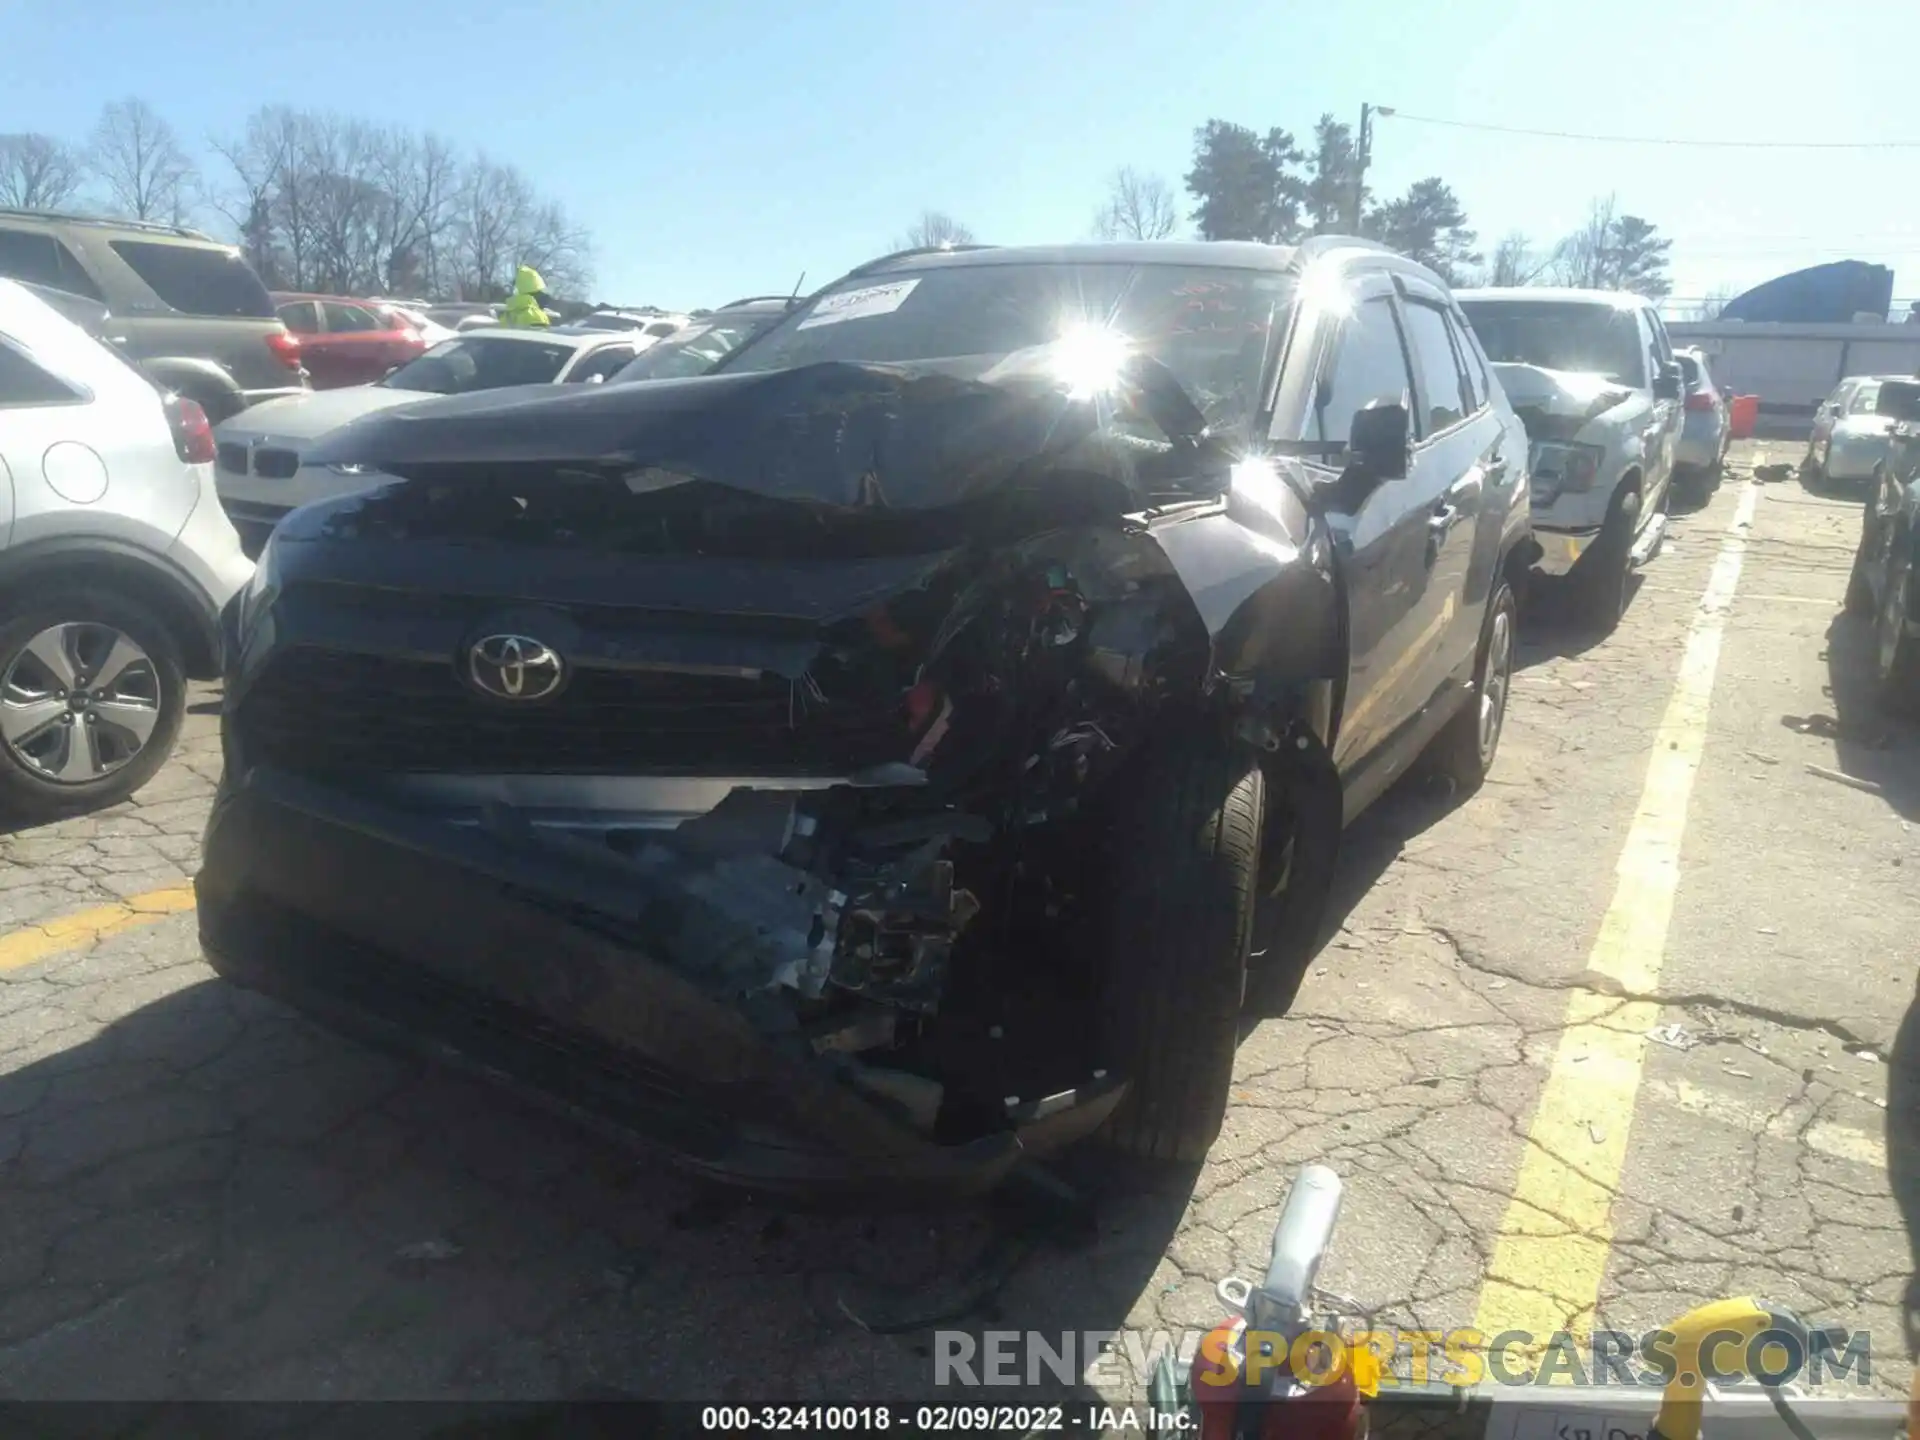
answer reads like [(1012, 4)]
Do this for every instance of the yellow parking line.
[(1551, 1251), (70, 932)]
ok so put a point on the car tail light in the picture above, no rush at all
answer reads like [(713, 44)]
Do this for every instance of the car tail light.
[(285, 348), (1700, 400), (192, 431)]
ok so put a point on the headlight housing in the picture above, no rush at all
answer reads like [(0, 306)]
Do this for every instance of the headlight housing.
[(1560, 466)]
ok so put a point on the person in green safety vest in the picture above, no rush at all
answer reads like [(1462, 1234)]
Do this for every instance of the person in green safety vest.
[(523, 306)]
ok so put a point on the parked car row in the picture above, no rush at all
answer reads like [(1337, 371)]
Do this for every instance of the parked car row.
[(914, 718)]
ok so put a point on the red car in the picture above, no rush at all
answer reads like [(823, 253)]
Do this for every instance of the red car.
[(346, 342)]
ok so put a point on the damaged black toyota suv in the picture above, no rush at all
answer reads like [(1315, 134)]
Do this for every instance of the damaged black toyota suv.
[(901, 750)]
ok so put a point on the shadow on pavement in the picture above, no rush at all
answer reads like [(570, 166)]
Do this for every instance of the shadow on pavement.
[(1551, 626), (1869, 744), (1368, 848), (210, 1198)]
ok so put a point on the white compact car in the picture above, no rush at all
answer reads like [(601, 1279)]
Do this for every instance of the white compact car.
[(115, 563), (262, 475)]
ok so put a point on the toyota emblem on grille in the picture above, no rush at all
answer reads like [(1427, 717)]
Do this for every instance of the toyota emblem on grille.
[(514, 667)]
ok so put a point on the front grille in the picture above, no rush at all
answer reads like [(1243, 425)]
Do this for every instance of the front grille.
[(231, 457), (326, 711), (270, 463)]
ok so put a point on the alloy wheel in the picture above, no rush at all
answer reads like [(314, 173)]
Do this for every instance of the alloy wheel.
[(1494, 687), (78, 702)]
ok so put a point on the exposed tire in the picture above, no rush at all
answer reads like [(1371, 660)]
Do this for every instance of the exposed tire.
[(1185, 869), (1896, 652), (92, 691), (1465, 750), (1600, 579)]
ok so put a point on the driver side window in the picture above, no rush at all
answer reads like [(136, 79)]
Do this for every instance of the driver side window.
[(1369, 365)]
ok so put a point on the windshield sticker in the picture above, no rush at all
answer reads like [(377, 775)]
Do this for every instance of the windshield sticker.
[(859, 304)]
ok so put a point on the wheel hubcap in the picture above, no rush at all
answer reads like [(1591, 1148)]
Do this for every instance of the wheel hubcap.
[(1493, 687), (78, 702)]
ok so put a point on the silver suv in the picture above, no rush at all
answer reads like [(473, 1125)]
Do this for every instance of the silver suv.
[(1593, 377), (188, 308), (115, 562)]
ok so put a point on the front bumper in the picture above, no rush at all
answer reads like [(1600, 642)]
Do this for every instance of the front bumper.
[(1855, 458), (527, 966)]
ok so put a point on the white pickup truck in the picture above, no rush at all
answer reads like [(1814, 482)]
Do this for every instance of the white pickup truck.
[(1592, 375)]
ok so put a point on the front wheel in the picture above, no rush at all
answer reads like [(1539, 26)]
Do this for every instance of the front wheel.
[(1600, 579), (91, 697), (1464, 751), (1182, 889)]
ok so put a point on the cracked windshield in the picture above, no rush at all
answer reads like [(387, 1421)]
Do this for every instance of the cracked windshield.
[(1224, 742)]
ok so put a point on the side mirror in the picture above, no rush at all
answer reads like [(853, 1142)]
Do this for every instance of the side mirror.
[(1380, 442), (1668, 383)]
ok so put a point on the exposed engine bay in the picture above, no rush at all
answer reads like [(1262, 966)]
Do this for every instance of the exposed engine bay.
[(835, 916)]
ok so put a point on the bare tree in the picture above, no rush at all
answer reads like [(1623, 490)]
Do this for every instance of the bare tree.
[(1581, 259), (1514, 262), (326, 202), (138, 158), (1715, 301), (38, 172), (1138, 207), (501, 224), (934, 228)]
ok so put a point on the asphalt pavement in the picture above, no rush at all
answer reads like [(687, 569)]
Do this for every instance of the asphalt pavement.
[(1606, 1039)]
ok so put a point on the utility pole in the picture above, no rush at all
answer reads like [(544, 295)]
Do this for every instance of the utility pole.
[(1362, 156)]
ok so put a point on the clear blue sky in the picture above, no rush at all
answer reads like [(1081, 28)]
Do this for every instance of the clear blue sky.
[(715, 149)]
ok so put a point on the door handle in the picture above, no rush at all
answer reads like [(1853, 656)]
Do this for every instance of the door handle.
[(1443, 518)]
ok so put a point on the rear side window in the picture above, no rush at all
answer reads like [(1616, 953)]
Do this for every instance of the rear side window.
[(661, 327), (43, 260), (604, 363), (346, 319), (24, 383), (1370, 366), (301, 316), (196, 280), (1442, 389)]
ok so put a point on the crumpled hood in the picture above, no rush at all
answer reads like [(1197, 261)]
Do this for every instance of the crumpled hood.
[(868, 437), (303, 417), (1553, 404)]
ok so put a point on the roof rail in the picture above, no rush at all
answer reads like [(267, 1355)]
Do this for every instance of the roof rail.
[(1317, 245), (66, 217), (911, 251), (756, 299)]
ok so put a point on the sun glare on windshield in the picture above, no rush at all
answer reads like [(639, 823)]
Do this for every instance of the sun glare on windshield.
[(1090, 358)]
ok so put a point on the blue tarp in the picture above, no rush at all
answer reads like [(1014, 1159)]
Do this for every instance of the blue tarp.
[(1824, 294)]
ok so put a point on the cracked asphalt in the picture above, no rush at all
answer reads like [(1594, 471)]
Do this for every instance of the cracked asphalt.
[(203, 1196)]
